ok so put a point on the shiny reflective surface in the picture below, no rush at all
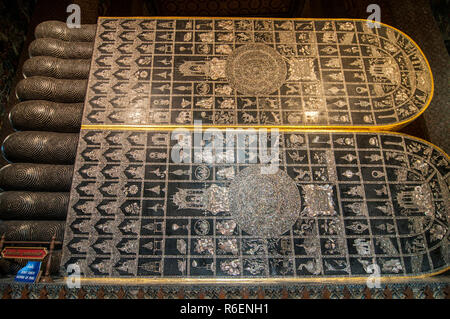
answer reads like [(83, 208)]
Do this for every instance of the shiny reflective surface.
[(351, 201), (255, 72)]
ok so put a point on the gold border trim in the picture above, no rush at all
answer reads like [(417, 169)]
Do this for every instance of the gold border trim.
[(389, 127), (235, 281)]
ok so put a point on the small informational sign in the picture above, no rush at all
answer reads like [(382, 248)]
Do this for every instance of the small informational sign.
[(29, 273), (36, 253)]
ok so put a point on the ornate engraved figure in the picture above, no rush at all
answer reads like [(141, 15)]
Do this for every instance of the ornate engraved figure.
[(231, 267), (313, 267), (318, 200), (416, 199), (226, 227), (255, 266), (204, 245), (301, 69)]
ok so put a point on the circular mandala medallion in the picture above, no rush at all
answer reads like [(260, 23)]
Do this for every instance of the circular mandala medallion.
[(264, 205), (256, 69)]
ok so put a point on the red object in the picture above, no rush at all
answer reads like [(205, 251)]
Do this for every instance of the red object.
[(37, 253)]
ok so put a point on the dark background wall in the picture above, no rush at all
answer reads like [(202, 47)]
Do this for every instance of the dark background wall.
[(426, 21)]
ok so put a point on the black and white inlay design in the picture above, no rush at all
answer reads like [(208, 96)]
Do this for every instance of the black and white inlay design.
[(254, 73), (336, 204), (256, 69)]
